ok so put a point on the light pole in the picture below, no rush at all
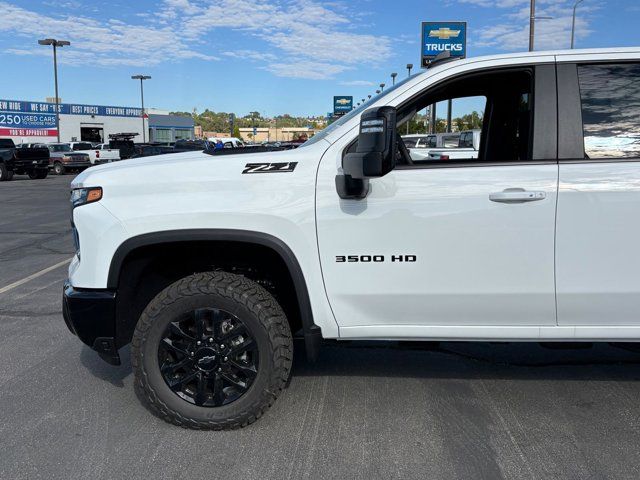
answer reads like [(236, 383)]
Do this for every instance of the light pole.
[(409, 67), (142, 78), (573, 21), (532, 23), (393, 78), (55, 43), (382, 87), (378, 92)]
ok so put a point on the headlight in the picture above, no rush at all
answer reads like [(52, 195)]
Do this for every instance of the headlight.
[(82, 196)]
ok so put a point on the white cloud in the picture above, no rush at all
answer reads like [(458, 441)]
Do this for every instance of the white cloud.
[(306, 69), (510, 30), (105, 43), (358, 83), (304, 39)]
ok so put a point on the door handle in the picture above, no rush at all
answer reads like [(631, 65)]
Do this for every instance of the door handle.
[(517, 195)]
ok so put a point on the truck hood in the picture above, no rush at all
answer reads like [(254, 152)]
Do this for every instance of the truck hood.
[(189, 167)]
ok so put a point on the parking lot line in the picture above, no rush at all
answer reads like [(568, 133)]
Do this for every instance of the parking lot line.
[(13, 285)]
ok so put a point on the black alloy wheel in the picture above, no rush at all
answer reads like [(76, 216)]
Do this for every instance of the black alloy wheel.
[(212, 350), (208, 357)]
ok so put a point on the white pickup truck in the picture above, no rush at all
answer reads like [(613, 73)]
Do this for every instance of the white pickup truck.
[(208, 268), (420, 146), (467, 149), (97, 155)]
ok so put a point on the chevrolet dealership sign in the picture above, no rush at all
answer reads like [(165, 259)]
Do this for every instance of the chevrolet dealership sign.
[(438, 37), (342, 104)]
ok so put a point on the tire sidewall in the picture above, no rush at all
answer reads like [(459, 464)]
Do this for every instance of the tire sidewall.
[(150, 369)]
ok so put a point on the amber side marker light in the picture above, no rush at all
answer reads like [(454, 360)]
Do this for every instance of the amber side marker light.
[(82, 196), (94, 195)]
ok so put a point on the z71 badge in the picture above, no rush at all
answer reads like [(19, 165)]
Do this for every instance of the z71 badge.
[(269, 167)]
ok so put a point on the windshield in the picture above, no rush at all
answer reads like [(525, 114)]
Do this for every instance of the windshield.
[(82, 146), (59, 148), (353, 113)]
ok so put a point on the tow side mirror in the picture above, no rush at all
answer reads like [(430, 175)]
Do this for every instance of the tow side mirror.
[(375, 155)]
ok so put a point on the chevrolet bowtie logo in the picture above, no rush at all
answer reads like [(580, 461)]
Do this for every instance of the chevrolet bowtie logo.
[(444, 33), (343, 101)]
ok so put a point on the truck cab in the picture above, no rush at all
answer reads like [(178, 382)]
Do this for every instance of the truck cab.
[(210, 267)]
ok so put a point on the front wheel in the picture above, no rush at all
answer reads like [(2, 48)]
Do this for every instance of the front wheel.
[(211, 351), (38, 174), (58, 168), (5, 173)]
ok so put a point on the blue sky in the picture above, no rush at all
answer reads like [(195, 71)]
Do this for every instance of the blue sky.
[(274, 56)]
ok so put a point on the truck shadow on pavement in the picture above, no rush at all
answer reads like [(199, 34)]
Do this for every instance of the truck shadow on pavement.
[(102, 370), (433, 360)]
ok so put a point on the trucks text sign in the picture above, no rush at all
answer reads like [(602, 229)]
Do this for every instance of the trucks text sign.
[(438, 37)]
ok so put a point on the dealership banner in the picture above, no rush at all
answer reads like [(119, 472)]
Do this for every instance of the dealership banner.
[(342, 104), (438, 37), (18, 106), (17, 124), (27, 132)]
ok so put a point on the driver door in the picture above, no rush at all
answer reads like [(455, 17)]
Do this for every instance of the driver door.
[(435, 250)]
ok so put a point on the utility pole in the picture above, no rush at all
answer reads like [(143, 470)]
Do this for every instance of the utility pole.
[(532, 21), (573, 21), (142, 78), (55, 43), (393, 78)]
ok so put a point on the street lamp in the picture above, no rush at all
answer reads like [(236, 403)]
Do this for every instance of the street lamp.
[(369, 97), (55, 43), (409, 67), (363, 100), (378, 92), (573, 21), (532, 22), (382, 87), (142, 78), (393, 78)]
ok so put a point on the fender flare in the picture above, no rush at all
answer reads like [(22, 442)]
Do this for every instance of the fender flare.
[(312, 333)]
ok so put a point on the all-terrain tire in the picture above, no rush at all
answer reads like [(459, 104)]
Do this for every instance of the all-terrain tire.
[(260, 313)]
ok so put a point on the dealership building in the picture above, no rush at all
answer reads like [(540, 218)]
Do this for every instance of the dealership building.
[(29, 122)]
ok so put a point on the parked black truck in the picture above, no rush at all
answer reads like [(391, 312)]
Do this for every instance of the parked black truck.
[(30, 161)]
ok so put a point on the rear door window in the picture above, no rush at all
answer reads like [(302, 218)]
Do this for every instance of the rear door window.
[(610, 96)]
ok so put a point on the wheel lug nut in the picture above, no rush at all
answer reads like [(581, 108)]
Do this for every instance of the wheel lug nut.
[(219, 369), (221, 346), (225, 359), (211, 340), (192, 354), (198, 342)]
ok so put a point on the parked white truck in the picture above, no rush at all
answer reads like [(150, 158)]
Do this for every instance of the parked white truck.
[(467, 148), (420, 146), (210, 267), (97, 155)]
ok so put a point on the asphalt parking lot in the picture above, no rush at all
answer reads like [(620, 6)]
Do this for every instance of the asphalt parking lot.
[(362, 411)]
